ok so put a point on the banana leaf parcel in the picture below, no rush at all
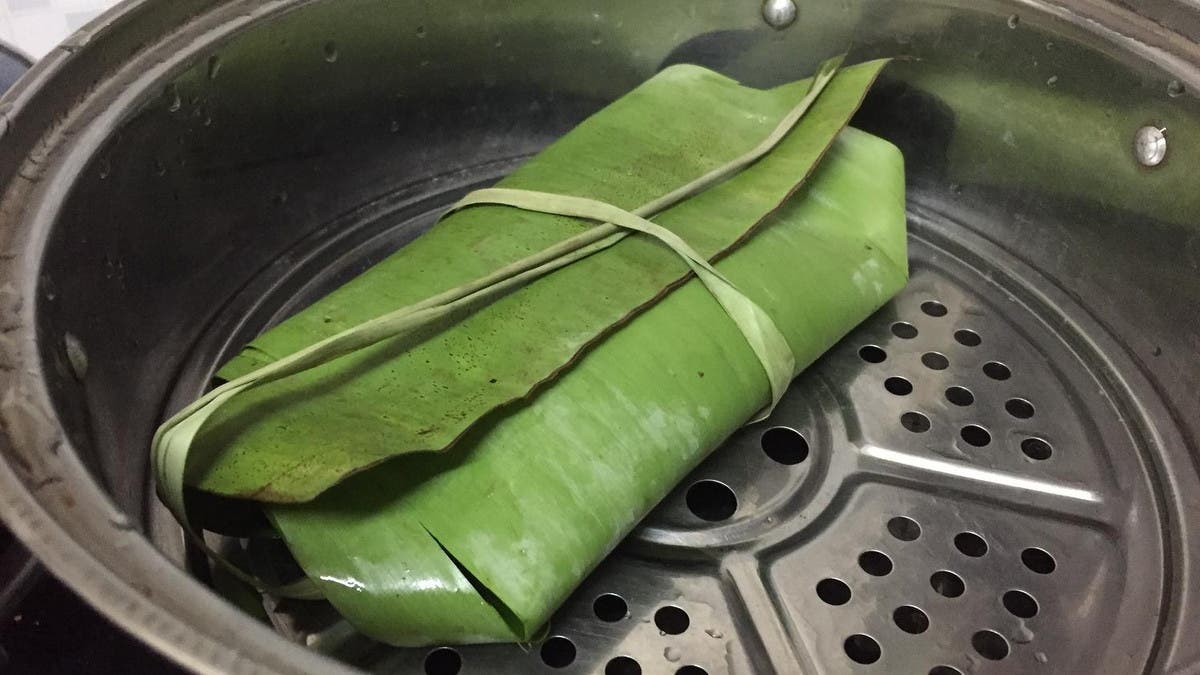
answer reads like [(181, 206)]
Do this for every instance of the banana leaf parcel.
[(453, 478)]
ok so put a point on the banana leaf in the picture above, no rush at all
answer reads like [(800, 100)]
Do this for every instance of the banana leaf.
[(289, 440), (564, 411)]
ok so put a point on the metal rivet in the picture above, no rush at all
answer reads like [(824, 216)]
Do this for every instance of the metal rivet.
[(1150, 145), (779, 13)]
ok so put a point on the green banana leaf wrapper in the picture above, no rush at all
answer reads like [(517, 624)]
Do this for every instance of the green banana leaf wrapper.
[(457, 487)]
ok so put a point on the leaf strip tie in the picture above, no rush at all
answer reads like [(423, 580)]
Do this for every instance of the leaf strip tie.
[(760, 331)]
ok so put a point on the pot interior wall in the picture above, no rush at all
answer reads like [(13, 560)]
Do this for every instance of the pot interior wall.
[(294, 154)]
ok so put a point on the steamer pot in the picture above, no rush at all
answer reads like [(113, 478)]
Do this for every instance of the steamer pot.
[(995, 473)]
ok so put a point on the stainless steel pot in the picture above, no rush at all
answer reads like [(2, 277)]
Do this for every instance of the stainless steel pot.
[(995, 473)]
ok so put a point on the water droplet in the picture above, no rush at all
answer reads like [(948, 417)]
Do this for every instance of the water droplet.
[(280, 199), (1053, 79), (174, 103), (159, 168), (104, 168), (214, 66), (1041, 657), (394, 126), (331, 51), (1022, 635), (596, 39), (76, 356), (1174, 88), (1014, 21), (714, 633), (672, 654), (421, 31), (499, 42)]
